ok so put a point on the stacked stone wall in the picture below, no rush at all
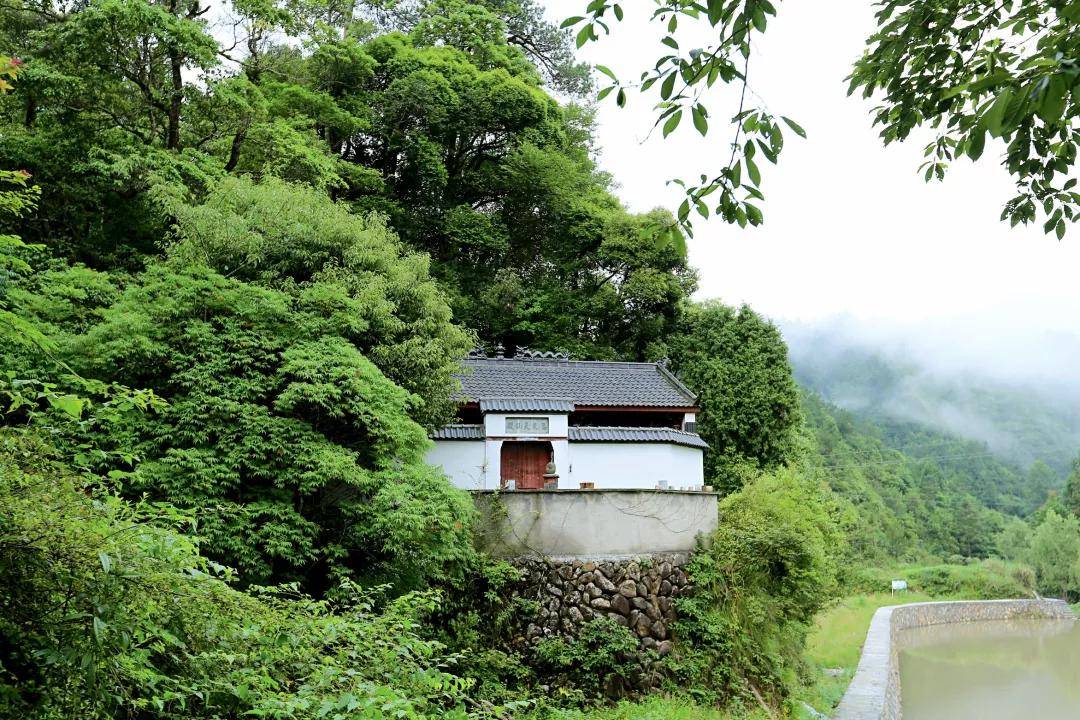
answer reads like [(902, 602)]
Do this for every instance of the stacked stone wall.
[(636, 593)]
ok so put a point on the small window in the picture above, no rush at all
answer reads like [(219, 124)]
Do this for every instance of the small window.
[(527, 425)]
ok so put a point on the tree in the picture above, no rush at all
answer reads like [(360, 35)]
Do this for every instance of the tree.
[(1014, 541), (1040, 481), (100, 113), (547, 46), (477, 166), (442, 125), (17, 199), (348, 270), (296, 452), (737, 362), (1055, 549), (107, 611), (1070, 496)]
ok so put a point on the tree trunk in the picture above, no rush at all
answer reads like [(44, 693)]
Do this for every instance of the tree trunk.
[(30, 116), (176, 99), (234, 151)]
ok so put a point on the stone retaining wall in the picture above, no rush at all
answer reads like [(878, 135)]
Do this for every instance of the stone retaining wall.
[(636, 593), (874, 693)]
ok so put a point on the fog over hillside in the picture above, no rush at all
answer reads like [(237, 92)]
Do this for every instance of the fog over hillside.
[(1012, 387)]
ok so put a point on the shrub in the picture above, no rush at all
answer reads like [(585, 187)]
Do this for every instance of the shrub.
[(602, 661), (767, 570), (1055, 554), (479, 619), (107, 612), (982, 580)]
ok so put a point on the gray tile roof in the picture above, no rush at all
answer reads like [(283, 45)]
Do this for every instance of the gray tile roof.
[(459, 432), (636, 434), (583, 382), (588, 434), (526, 405)]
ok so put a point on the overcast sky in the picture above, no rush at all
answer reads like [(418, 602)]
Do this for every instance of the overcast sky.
[(850, 228)]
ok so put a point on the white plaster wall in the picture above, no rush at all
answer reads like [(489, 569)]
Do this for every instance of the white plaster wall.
[(633, 465), (561, 451), (495, 424), (475, 464), (462, 461)]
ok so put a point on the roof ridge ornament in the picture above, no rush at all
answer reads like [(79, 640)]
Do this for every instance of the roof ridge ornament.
[(478, 352), (524, 353)]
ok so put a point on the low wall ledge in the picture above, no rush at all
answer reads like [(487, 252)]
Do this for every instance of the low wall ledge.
[(594, 491), (594, 524)]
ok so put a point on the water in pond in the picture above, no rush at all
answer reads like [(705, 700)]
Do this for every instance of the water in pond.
[(1007, 670)]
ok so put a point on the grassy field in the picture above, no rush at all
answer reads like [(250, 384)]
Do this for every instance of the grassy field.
[(660, 708), (836, 641), (835, 645)]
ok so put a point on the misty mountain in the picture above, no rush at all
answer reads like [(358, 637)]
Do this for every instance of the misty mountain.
[(903, 387), (941, 496)]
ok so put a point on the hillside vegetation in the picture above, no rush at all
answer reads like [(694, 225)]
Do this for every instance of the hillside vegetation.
[(940, 496), (238, 271), (1020, 423)]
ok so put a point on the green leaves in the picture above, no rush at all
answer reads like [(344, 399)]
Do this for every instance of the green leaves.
[(584, 35), (976, 143), (701, 121), (300, 376), (995, 115), (667, 87), (1052, 107), (71, 405), (794, 126), (672, 122), (968, 71), (681, 78)]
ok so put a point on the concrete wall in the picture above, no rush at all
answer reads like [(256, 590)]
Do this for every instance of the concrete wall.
[(475, 464), (594, 523), (633, 465), (874, 693)]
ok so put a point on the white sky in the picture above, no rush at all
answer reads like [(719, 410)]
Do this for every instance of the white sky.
[(850, 228)]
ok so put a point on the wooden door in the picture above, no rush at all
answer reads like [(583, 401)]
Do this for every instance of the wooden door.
[(525, 463)]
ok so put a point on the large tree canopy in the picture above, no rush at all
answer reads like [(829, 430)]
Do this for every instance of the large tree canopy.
[(298, 453), (441, 124), (349, 271)]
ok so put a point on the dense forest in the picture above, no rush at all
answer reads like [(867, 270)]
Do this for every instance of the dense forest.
[(242, 251), (917, 493)]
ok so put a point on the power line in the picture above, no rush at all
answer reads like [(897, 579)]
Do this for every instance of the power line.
[(904, 460)]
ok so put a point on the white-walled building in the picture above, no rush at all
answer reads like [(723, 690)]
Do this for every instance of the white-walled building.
[(540, 420)]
